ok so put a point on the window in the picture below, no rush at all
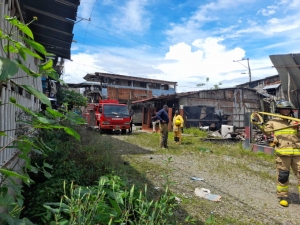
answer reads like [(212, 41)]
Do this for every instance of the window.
[(115, 110), (143, 84)]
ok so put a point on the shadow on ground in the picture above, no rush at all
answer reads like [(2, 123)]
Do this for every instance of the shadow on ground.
[(122, 152)]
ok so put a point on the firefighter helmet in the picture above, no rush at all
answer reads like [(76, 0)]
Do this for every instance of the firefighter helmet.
[(283, 104), (177, 122)]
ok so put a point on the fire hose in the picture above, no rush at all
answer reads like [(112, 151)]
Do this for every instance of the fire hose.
[(255, 115)]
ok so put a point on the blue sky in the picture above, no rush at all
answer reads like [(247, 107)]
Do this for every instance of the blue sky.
[(183, 41)]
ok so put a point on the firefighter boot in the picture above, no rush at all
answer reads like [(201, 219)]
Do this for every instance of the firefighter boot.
[(284, 202)]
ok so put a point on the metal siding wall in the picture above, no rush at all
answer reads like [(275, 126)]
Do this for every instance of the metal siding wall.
[(232, 101), (8, 111)]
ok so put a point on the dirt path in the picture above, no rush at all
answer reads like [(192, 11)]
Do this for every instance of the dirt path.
[(247, 198)]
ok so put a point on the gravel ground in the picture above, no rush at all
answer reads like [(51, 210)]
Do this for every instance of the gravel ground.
[(247, 198)]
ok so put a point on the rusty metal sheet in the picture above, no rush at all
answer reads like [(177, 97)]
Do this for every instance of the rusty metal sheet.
[(289, 64)]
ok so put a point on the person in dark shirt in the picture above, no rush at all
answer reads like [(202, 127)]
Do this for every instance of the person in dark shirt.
[(163, 117), (131, 113)]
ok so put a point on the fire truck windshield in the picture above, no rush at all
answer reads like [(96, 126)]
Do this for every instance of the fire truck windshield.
[(116, 110)]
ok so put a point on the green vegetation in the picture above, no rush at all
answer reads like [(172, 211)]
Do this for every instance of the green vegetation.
[(18, 45), (222, 159), (85, 186), (71, 98)]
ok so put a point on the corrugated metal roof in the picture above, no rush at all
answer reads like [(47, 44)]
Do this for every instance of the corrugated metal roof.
[(55, 23), (289, 64), (271, 86), (101, 77)]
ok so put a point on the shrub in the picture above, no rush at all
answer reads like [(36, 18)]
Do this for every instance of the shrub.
[(110, 202)]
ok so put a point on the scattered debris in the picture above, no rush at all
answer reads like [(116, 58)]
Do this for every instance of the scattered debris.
[(262, 139), (201, 149), (205, 193), (215, 134), (126, 162), (238, 135), (178, 200), (156, 188), (206, 128), (196, 178)]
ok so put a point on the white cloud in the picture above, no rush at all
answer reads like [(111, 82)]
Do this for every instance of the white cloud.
[(190, 29), (274, 25), (227, 29), (251, 22), (266, 12), (132, 17), (81, 64), (86, 8), (187, 64), (211, 59)]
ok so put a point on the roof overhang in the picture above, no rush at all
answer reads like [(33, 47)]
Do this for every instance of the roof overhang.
[(100, 77), (271, 86), (288, 67), (54, 26)]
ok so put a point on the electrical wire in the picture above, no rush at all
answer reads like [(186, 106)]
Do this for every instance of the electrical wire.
[(115, 41), (102, 28)]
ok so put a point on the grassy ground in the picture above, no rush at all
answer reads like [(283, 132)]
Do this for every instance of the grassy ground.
[(245, 180)]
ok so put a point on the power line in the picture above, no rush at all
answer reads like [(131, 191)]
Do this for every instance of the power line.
[(127, 37), (93, 9), (114, 41)]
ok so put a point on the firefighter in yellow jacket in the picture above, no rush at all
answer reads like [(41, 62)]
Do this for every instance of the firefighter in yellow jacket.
[(177, 127), (287, 149)]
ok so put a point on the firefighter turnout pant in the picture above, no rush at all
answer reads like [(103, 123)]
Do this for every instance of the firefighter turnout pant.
[(163, 135), (177, 136), (283, 165)]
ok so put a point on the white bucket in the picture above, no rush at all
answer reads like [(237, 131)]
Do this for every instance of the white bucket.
[(226, 130)]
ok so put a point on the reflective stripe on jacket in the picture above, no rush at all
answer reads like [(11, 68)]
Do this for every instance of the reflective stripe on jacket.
[(287, 140)]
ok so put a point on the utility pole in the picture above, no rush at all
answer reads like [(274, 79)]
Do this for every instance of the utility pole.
[(249, 70), (248, 67)]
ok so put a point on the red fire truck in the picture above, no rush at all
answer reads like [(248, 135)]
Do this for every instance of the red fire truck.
[(108, 116)]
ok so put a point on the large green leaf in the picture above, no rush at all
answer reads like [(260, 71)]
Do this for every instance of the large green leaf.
[(24, 108), (72, 132), (2, 133), (54, 112), (10, 48), (20, 45), (25, 69), (7, 69), (53, 74), (38, 47), (47, 65), (23, 27), (43, 120), (22, 54), (44, 99), (14, 174)]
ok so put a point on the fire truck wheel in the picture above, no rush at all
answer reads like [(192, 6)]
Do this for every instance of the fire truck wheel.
[(123, 131), (101, 131)]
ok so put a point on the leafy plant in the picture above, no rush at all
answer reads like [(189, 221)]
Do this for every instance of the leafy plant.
[(27, 141), (110, 202), (71, 98)]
